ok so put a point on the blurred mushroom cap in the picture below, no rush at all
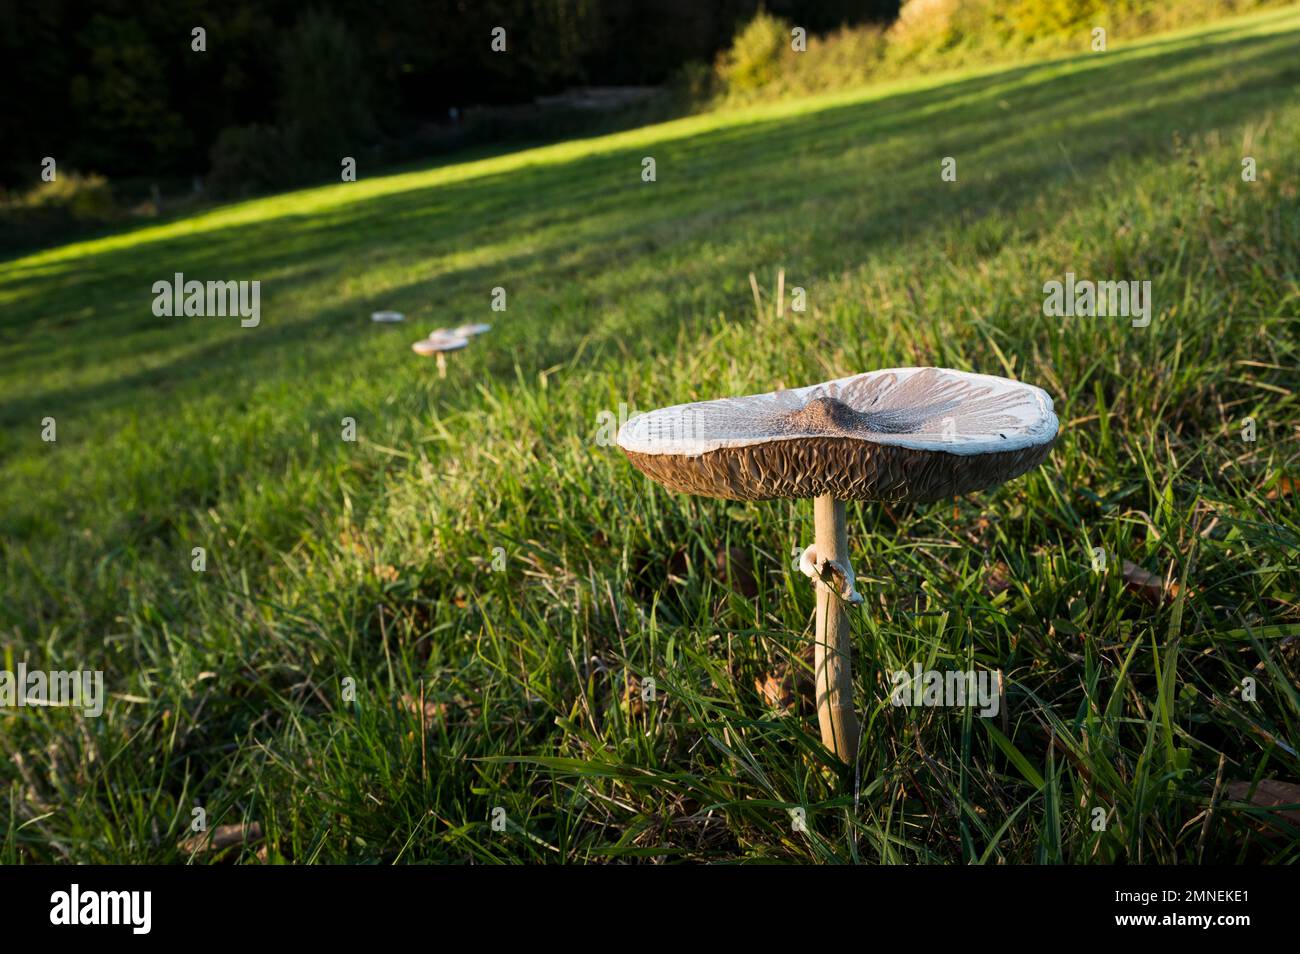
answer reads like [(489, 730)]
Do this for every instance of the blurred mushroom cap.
[(387, 317), (428, 346), (902, 434), (469, 331)]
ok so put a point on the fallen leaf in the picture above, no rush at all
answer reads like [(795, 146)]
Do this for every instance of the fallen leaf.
[(1147, 585), (1285, 487), (221, 838), (1269, 793), (782, 688), (777, 691)]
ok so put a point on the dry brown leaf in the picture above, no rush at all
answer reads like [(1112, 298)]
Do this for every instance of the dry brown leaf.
[(1269, 793), (1147, 585), (784, 687), (221, 838), (777, 691), (1286, 487)]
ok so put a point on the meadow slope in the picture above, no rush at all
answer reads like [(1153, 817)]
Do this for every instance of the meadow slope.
[(280, 685)]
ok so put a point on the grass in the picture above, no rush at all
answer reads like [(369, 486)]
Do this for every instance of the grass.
[(280, 685)]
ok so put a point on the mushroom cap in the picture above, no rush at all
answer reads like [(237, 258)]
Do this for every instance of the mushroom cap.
[(428, 346), (902, 434), (469, 331), (387, 317)]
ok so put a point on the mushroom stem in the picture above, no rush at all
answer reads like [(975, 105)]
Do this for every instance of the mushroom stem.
[(442, 365), (832, 662)]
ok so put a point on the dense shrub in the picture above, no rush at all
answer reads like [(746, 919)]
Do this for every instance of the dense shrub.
[(86, 198), (755, 57), (51, 212), (1034, 19), (119, 89), (939, 34), (694, 82), (71, 197), (930, 29), (762, 60), (325, 100), (324, 114), (248, 159), (848, 57)]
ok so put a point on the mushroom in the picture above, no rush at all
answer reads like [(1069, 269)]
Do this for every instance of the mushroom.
[(903, 434), (469, 331), (387, 317), (439, 343)]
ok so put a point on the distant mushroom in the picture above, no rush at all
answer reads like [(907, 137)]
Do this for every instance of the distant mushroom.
[(439, 346), (387, 317), (904, 434)]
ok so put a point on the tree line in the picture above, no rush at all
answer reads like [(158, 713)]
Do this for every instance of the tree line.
[(134, 90)]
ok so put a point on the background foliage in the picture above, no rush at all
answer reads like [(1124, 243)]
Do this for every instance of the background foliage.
[(113, 90), (112, 86)]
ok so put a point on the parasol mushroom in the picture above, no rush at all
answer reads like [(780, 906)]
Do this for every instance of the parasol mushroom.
[(469, 331), (439, 343), (903, 434), (387, 317)]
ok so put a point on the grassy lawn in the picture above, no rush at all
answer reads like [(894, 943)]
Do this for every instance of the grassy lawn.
[(280, 685)]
